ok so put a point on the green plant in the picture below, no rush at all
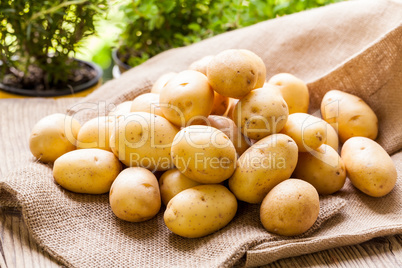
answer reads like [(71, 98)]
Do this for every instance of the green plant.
[(39, 38)]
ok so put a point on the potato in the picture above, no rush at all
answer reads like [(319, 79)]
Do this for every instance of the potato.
[(293, 90), (201, 64), (308, 131), (264, 165), (228, 127), (88, 171), (173, 182), (220, 104), (368, 166), (162, 81), (232, 105), (95, 133), (349, 115), (200, 211), (134, 195), (262, 71), (290, 208), (332, 138), (143, 140), (148, 102), (53, 136), (204, 154), (323, 168), (234, 73), (121, 109), (260, 113), (186, 97)]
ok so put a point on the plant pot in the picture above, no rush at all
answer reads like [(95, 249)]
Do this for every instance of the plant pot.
[(120, 67), (76, 91)]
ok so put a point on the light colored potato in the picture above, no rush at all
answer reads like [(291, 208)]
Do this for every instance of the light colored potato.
[(148, 102), (200, 211), (323, 168), (173, 182), (162, 81), (134, 195), (201, 64), (88, 171), (293, 90), (53, 136), (143, 140), (228, 127), (121, 109), (332, 138), (349, 115), (262, 70), (186, 97), (260, 113), (204, 154), (95, 133), (290, 208), (308, 131), (368, 166), (233, 73), (264, 165), (220, 104)]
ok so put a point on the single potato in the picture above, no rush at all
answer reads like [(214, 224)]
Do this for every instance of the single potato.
[(349, 115), (293, 90), (308, 131), (53, 136), (201, 64), (162, 81), (368, 166), (186, 98), (95, 133), (204, 154), (264, 165), (148, 102), (290, 208), (87, 171), (323, 168), (134, 195), (260, 113), (200, 211)]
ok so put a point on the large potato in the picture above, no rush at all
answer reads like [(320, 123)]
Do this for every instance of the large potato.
[(264, 165), (293, 90), (200, 211), (143, 140), (204, 154), (290, 208), (261, 113), (162, 81), (186, 98), (308, 131), (134, 195), (95, 133), (323, 168), (368, 166), (53, 136), (148, 102), (89, 171), (349, 115)]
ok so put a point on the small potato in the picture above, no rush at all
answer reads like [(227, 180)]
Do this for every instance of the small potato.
[(201, 64), (260, 113), (148, 102), (290, 208), (264, 165), (121, 109), (87, 171), (161, 82), (173, 182), (53, 136), (349, 115), (308, 131), (368, 166), (293, 90), (204, 154), (134, 195), (323, 168), (220, 105), (95, 133), (186, 98), (200, 211)]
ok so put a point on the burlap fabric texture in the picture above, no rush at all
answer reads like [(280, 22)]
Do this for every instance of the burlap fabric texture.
[(354, 46)]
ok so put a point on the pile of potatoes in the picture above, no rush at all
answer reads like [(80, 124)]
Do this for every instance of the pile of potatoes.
[(214, 135)]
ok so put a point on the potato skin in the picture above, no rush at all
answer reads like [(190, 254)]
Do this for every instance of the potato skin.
[(201, 64), (220, 104), (264, 165), (88, 171), (290, 208), (53, 136), (332, 138), (368, 166), (349, 115), (162, 81), (95, 133), (134, 195), (200, 211), (148, 102), (121, 109)]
